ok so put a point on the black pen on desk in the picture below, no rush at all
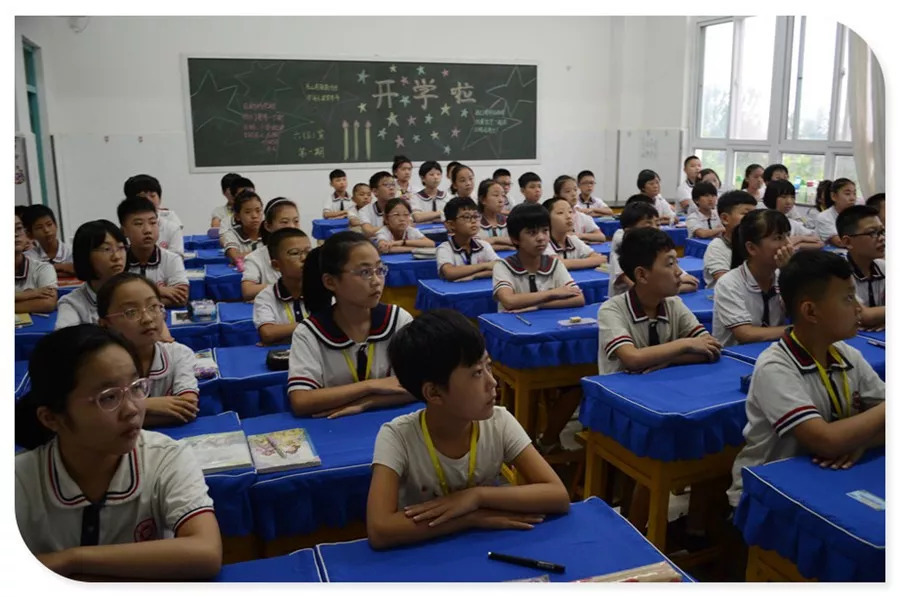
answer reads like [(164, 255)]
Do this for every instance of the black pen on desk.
[(522, 319), (528, 562)]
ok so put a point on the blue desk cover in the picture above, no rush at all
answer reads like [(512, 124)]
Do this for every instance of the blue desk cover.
[(876, 335), (229, 490), (677, 234), (607, 225), (874, 355), (436, 231), (323, 228), (196, 335), (332, 494), (223, 283), (694, 267), (197, 288), (696, 247), (236, 325), (803, 512), (20, 375), (28, 336), (204, 257), (246, 384), (677, 413), (192, 242), (701, 304), (590, 540), (300, 566)]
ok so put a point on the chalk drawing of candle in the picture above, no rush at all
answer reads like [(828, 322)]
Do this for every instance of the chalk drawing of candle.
[(346, 126), (368, 141), (355, 140)]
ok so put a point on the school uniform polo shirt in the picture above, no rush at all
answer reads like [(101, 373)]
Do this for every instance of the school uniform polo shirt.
[(826, 224), (696, 221), (235, 239), (34, 274), (410, 233), (448, 252), (622, 321), (615, 270), (157, 487), (170, 235), (798, 229), (685, 191), (871, 287), (63, 253), (337, 202), (591, 203), (372, 215), (663, 208), (320, 349), (164, 268), (486, 230), (274, 304), (584, 224), (739, 301), (716, 259), (787, 390), (510, 273), (172, 370), (572, 248), (258, 267), (225, 216), (422, 202), (79, 306)]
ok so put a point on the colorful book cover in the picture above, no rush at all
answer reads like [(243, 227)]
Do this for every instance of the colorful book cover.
[(283, 450), (217, 452)]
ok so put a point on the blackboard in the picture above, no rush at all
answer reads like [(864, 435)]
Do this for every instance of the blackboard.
[(256, 112)]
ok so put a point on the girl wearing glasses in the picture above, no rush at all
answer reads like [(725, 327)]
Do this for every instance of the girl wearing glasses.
[(130, 304), (96, 496), (339, 361), (397, 235)]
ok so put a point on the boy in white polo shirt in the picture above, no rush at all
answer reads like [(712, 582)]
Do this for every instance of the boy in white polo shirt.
[(732, 207), (592, 206), (279, 307), (862, 233), (463, 256), (338, 202), (810, 392), (40, 226), (704, 221), (35, 281), (684, 197), (371, 217), (170, 226)]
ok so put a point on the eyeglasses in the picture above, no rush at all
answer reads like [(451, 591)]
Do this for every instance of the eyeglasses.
[(135, 313), (367, 273), (873, 234), (468, 218), (399, 216), (109, 251), (298, 253), (110, 399)]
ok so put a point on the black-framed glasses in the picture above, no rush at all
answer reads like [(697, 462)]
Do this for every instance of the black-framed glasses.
[(873, 234), (110, 399)]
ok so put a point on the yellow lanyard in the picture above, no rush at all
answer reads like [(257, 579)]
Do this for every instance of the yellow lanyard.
[(370, 351), (438, 469), (289, 310), (842, 411)]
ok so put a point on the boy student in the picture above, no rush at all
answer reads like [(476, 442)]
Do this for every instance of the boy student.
[(770, 173), (140, 225), (502, 177), (587, 203), (530, 187), (683, 194), (40, 226), (222, 215), (371, 217), (529, 279), (704, 221), (337, 204), (732, 207), (279, 307), (362, 196), (810, 392), (35, 280), (428, 204), (463, 256), (862, 233), (435, 471), (170, 226)]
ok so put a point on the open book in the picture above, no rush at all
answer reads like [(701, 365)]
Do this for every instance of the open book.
[(217, 452), (282, 450)]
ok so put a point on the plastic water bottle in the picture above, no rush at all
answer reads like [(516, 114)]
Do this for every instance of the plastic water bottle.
[(812, 188)]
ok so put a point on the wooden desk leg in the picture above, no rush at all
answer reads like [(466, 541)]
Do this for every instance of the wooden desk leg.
[(596, 471), (524, 400), (659, 509)]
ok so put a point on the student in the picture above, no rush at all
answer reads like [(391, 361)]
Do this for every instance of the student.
[(771, 173), (493, 221), (586, 202), (397, 236), (779, 196), (747, 307), (99, 254), (371, 217), (568, 248), (237, 186), (35, 280), (709, 175), (753, 181), (137, 217), (810, 392), (223, 214), (684, 192), (402, 171), (529, 279), (40, 226), (170, 226), (258, 271), (246, 235), (131, 305), (279, 306), (648, 184), (732, 207), (428, 204), (839, 195), (463, 256), (20, 212), (435, 471), (703, 222), (584, 225), (877, 201), (451, 169), (862, 233), (338, 202), (502, 177), (339, 361), (96, 496), (530, 187), (362, 196), (463, 181)]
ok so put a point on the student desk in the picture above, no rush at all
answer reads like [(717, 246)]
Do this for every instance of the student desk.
[(204, 257), (236, 325), (193, 242), (436, 231), (299, 501), (678, 234), (66, 285), (696, 247), (197, 335), (800, 522), (28, 336), (590, 540), (196, 283), (300, 566), (666, 429), (694, 267), (880, 336), (701, 304), (246, 385), (874, 355), (223, 282), (20, 376), (608, 225), (324, 228)]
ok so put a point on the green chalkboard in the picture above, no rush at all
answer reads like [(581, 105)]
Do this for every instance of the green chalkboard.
[(248, 112)]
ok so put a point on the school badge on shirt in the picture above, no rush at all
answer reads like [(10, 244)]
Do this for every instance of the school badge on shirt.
[(145, 531)]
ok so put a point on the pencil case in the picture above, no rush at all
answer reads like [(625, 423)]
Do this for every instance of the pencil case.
[(277, 360)]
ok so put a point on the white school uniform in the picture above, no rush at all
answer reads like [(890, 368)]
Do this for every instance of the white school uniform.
[(337, 202), (170, 232), (696, 221), (584, 224), (685, 191), (164, 268), (786, 390), (411, 233), (663, 209), (401, 194), (739, 301), (510, 273), (450, 253), (591, 203), (871, 288), (225, 216), (372, 215), (258, 267), (422, 202), (826, 224), (488, 231), (320, 349), (615, 270), (157, 487), (274, 304), (63, 253), (798, 229), (34, 274), (400, 446), (716, 259), (235, 239), (172, 370), (572, 248), (79, 306)]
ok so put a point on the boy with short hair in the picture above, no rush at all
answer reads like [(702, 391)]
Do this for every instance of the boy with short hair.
[(774, 172), (528, 279), (530, 187), (428, 204), (362, 196), (337, 204), (223, 214), (502, 177), (278, 308), (810, 392), (140, 225), (464, 256), (436, 471), (35, 281), (40, 226), (732, 207), (684, 192), (877, 201), (862, 234), (704, 222), (586, 202), (371, 217), (170, 226)]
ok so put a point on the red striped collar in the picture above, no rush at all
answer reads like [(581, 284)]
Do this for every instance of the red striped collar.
[(546, 267), (160, 364), (474, 245), (875, 272), (153, 260), (66, 493), (804, 361), (637, 311), (323, 326)]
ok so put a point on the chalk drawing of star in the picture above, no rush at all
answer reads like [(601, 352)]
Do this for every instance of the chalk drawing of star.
[(362, 76), (393, 68), (446, 150), (362, 108), (404, 81), (435, 135), (411, 121), (454, 132), (428, 119), (382, 133), (392, 119), (445, 110), (399, 141), (421, 71), (445, 72), (464, 113), (405, 101), (416, 138)]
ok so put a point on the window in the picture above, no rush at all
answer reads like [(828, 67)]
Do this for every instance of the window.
[(804, 167), (809, 105), (716, 80), (845, 167), (742, 159), (754, 81), (713, 159)]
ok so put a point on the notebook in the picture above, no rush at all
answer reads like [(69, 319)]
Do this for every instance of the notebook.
[(23, 320), (217, 452), (282, 450)]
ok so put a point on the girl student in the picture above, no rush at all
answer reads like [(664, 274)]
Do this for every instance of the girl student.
[(709, 175), (258, 272), (130, 304), (339, 361), (397, 235), (779, 196), (96, 496), (451, 170), (747, 305), (428, 203), (246, 236), (753, 181), (463, 181), (838, 195), (584, 226), (564, 245), (402, 171), (491, 203)]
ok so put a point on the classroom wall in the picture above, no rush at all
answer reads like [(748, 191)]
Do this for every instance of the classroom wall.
[(121, 76)]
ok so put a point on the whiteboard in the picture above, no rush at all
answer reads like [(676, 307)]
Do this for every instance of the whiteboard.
[(654, 149)]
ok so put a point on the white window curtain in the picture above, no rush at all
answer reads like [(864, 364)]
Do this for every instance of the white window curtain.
[(866, 106)]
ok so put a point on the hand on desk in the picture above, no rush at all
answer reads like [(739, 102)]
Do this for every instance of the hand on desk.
[(841, 462), (705, 345), (500, 519), (444, 508)]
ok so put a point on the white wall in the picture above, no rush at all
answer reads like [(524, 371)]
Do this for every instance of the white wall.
[(122, 75)]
